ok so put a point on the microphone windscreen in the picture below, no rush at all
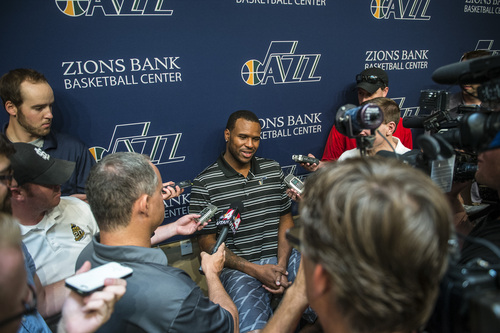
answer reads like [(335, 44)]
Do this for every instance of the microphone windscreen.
[(450, 74), (414, 122), (477, 70)]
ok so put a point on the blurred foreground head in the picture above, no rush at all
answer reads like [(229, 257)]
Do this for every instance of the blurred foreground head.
[(379, 230)]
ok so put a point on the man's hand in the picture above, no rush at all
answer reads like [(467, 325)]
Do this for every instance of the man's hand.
[(292, 194), (213, 264), (311, 167), (87, 314), (169, 191), (273, 278), (188, 224)]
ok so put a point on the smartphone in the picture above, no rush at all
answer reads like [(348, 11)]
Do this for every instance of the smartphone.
[(294, 183), (207, 213), (93, 280)]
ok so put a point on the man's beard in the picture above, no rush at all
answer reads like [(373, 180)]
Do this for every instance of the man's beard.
[(39, 132)]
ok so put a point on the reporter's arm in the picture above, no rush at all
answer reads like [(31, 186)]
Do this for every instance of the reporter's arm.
[(186, 225), (86, 314), (212, 267), (50, 298)]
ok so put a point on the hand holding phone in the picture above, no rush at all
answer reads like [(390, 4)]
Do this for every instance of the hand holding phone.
[(93, 280), (294, 183)]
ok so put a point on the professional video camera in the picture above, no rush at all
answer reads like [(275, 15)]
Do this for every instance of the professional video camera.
[(352, 120), (469, 296), (467, 129)]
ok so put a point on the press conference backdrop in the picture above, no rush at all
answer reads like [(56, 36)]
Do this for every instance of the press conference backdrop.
[(160, 77)]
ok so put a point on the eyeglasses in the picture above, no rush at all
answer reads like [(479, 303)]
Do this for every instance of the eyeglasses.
[(29, 308), (6, 179), (373, 79)]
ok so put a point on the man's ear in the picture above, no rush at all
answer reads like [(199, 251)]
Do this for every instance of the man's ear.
[(385, 91), (391, 128), (321, 281), (17, 193), (141, 205), (226, 135), (11, 108)]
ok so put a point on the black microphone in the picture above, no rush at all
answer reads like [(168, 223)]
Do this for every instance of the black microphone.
[(414, 121), (229, 220)]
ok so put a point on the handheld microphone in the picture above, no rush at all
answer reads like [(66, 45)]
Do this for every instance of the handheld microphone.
[(229, 220)]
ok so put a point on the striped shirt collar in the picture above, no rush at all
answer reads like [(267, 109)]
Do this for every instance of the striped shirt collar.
[(230, 172)]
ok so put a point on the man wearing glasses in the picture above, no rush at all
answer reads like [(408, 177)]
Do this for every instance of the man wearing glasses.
[(18, 298)]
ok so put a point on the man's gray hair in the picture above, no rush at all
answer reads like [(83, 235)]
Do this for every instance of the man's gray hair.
[(114, 185)]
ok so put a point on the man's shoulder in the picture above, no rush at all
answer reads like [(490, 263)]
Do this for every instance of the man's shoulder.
[(75, 210), (68, 201), (349, 154), (60, 140), (262, 161), (209, 171)]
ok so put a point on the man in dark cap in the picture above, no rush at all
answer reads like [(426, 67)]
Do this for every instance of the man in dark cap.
[(55, 229), (370, 83)]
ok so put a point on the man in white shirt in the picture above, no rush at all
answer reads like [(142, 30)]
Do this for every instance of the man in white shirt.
[(383, 134), (55, 229)]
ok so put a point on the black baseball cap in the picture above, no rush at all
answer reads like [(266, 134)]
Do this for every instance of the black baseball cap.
[(32, 165), (371, 79)]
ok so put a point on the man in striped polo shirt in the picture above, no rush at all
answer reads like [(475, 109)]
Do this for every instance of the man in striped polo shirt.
[(259, 261)]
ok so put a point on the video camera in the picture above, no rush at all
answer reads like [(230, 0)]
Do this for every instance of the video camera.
[(456, 136), (469, 296), (352, 120)]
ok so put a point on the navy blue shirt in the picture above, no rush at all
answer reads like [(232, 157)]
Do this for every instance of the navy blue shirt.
[(69, 148), (66, 147)]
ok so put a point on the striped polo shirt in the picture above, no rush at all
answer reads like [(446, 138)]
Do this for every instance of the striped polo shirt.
[(264, 200)]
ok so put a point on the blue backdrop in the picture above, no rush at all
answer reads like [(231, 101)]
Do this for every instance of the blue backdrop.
[(161, 76)]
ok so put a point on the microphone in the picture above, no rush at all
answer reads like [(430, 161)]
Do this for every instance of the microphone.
[(476, 70), (414, 121), (228, 221)]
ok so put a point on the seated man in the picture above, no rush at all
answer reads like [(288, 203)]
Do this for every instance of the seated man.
[(125, 193), (55, 229), (28, 99), (383, 134), (258, 259), (374, 245)]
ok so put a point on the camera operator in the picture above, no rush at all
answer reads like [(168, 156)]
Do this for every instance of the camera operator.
[(488, 173), (468, 95), (384, 139), (468, 92)]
